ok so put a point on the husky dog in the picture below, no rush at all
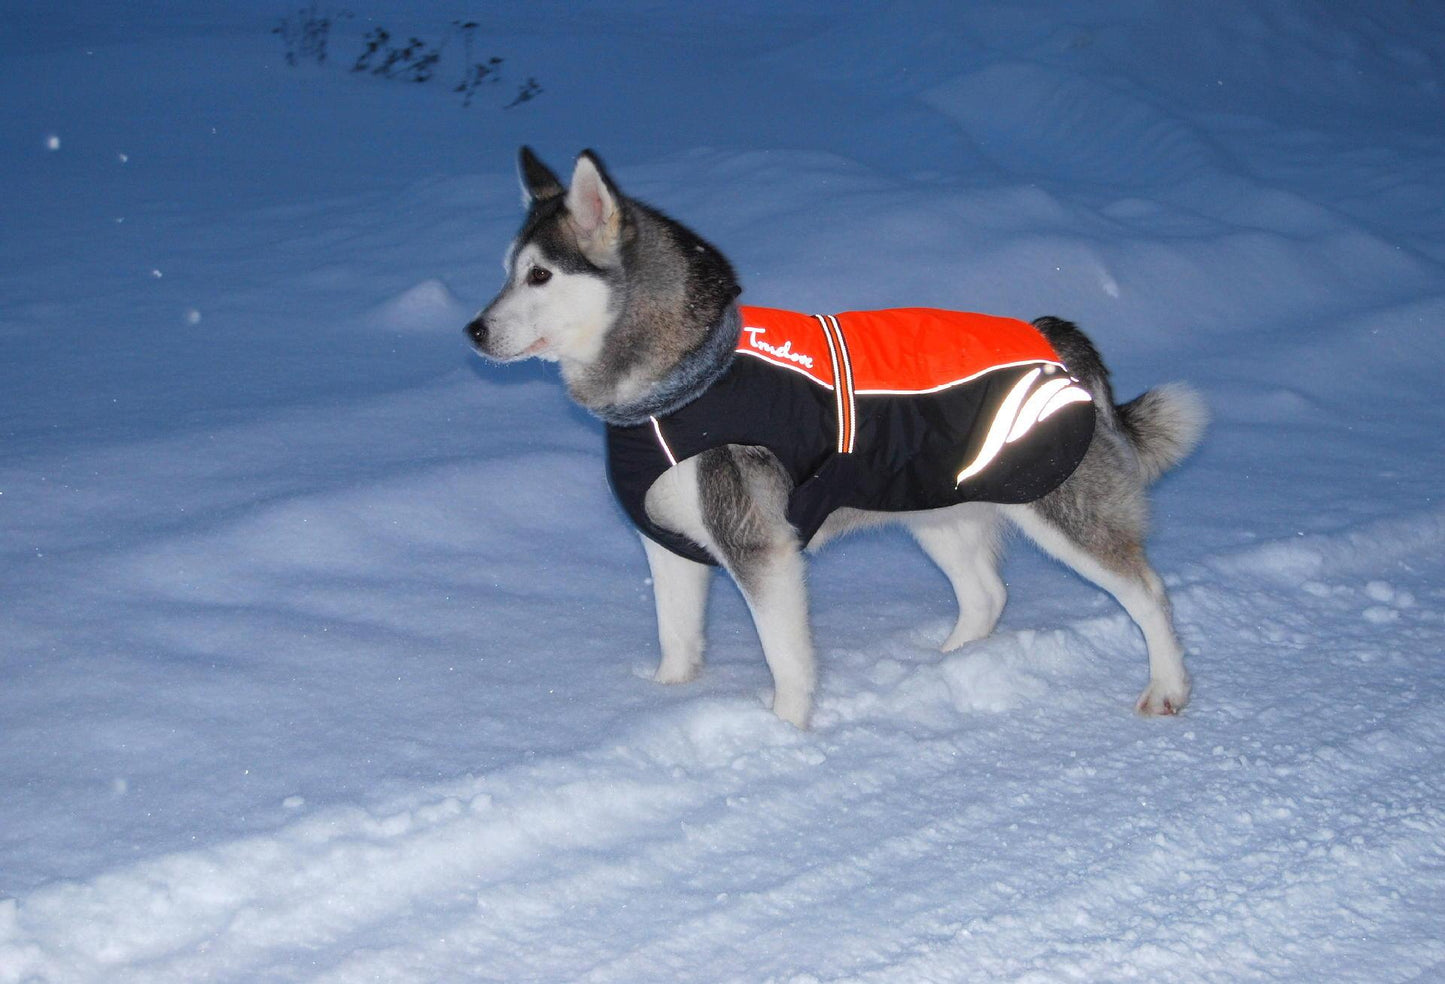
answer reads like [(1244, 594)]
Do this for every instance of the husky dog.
[(642, 316)]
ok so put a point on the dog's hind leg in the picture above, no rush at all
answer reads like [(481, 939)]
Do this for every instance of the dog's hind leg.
[(963, 542), (1095, 523), (743, 493), (679, 586)]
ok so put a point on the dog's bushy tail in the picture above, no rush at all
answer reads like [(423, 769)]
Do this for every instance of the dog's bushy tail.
[(1164, 424)]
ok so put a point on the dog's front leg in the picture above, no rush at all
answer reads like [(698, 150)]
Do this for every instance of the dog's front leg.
[(743, 494), (679, 587)]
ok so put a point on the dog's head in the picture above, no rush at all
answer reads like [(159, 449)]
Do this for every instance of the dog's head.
[(638, 309), (563, 269)]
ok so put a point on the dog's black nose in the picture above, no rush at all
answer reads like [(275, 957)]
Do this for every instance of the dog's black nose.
[(477, 331)]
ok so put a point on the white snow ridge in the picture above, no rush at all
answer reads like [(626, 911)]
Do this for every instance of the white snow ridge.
[(428, 306), (326, 651)]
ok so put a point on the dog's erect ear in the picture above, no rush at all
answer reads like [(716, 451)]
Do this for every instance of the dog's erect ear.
[(538, 181), (595, 207)]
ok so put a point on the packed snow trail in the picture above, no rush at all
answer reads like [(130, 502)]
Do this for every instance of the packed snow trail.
[(1282, 827)]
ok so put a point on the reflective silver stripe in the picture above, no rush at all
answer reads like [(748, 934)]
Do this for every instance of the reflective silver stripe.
[(998, 429), (1074, 394), (960, 381), (1020, 411), (657, 429), (1033, 407), (805, 373)]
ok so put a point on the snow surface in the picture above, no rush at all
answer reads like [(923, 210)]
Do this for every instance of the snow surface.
[(326, 652)]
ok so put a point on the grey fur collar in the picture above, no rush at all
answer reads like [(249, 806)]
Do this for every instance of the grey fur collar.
[(689, 379)]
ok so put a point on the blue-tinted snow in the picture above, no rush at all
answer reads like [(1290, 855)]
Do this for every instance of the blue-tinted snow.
[(326, 651)]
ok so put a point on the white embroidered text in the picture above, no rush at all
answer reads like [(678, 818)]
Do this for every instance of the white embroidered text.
[(784, 351)]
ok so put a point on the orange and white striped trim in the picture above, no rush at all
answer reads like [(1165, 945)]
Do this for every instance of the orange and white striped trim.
[(847, 406)]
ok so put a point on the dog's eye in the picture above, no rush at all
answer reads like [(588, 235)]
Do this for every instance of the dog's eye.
[(537, 276)]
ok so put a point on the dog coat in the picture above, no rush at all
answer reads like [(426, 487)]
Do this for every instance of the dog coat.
[(893, 411)]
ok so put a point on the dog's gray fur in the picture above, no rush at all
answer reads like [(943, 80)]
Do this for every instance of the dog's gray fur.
[(663, 316), (673, 330)]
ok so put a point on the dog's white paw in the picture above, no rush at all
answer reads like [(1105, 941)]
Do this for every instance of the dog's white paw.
[(964, 633), (795, 709), (677, 671), (1162, 698)]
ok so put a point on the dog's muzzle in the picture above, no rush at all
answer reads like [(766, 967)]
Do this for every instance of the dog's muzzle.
[(477, 331)]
